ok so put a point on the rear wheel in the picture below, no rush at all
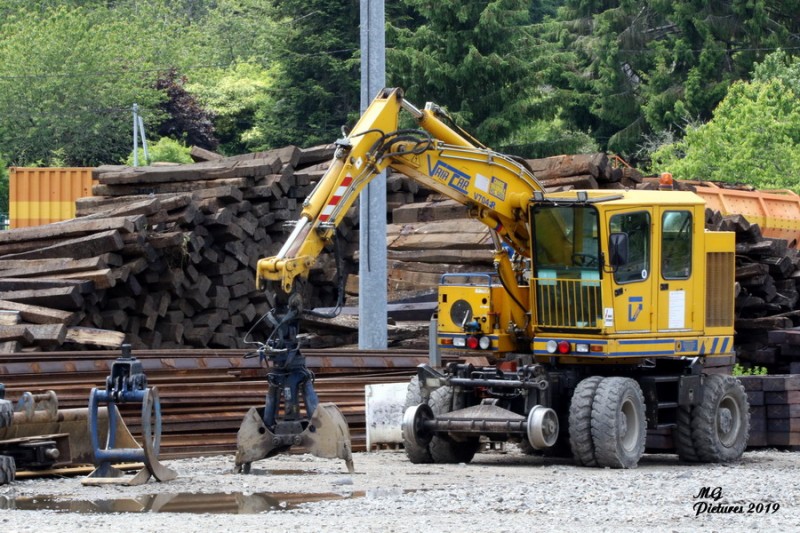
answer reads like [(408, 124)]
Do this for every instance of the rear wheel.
[(8, 470), (580, 421), (619, 427), (416, 454), (443, 448), (721, 423), (684, 442)]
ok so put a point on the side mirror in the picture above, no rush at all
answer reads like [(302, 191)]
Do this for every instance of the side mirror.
[(618, 249)]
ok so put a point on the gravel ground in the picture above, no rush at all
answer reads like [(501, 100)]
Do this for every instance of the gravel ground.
[(497, 492)]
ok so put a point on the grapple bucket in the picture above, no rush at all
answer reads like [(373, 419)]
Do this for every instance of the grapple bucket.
[(325, 434), (38, 416)]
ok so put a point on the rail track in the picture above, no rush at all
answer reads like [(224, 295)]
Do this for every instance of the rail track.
[(206, 392)]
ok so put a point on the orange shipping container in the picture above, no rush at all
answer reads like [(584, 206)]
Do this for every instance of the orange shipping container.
[(44, 195)]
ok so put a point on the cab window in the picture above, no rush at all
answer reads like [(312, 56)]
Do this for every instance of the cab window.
[(637, 227), (676, 245)]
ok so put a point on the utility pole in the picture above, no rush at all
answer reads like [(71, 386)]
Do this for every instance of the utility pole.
[(372, 300)]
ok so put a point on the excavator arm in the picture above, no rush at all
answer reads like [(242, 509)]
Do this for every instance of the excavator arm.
[(495, 187)]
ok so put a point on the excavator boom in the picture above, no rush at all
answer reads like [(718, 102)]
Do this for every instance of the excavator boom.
[(494, 186)]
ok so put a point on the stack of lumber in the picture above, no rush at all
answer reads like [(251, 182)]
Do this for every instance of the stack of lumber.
[(774, 410), (767, 300), (161, 256), (584, 171)]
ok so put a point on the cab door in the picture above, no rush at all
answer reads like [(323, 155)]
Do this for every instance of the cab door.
[(676, 249), (632, 288)]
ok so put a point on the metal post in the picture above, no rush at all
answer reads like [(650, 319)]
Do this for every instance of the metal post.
[(135, 136), (144, 141), (372, 301), (434, 355)]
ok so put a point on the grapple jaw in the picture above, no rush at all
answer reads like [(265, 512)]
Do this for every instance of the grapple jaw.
[(325, 434)]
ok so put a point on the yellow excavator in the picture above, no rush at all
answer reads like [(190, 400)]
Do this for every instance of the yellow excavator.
[(599, 320)]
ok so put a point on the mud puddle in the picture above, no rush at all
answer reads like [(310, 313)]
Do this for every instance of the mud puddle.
[(195, 503)]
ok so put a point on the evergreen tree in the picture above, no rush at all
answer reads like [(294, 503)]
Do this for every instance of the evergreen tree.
[(648, 66), (473, 58), (317, 83)]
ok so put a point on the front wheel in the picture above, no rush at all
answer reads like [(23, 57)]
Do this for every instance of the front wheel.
[(8, 469), (443, 448), (619, 426), (416, 454), (580, 421)]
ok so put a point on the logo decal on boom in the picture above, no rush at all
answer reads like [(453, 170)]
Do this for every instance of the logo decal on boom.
[(450, 176)]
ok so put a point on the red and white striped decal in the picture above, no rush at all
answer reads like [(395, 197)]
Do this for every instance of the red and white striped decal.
[(335, 199)]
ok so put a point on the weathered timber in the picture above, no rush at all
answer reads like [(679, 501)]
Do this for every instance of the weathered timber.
[(595, 165), (59, 297), (79, 248), (9, 318), (73, 227), (40, 315), (177, 187), (17, 332), (94, 337)]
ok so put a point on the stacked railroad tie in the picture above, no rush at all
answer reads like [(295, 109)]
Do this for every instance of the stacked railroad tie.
[(164, 256)]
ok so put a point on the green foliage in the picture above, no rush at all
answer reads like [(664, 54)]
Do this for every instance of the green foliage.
[(474, 58), (739, 370), (753, 138), (316, 85), (238, 97), (545, 138), (166, 150), (648, 66), (3, 188), (71, 74)]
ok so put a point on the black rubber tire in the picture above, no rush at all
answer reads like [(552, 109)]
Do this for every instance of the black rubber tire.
[(6, 413), (580, 421), (8, 470), (721, 422), (619, 426), (445, 450), (416, 454), (682, 436)]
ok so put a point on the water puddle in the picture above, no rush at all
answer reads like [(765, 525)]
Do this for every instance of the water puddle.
[(189, 502), (214, 503)]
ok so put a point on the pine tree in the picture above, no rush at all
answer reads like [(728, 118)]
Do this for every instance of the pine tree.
[(473, 58), (318, 82)]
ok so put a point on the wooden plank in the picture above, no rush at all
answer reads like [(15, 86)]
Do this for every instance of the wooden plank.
[(9, 318), (171, 187), (48, 334), (95, 337), (60, 297), (99, 206), (201, 154), (40, 315), (595, 165), (429, 211), (79, 248), (103, 279), (73, 227), (465, 234), (18, 332)]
